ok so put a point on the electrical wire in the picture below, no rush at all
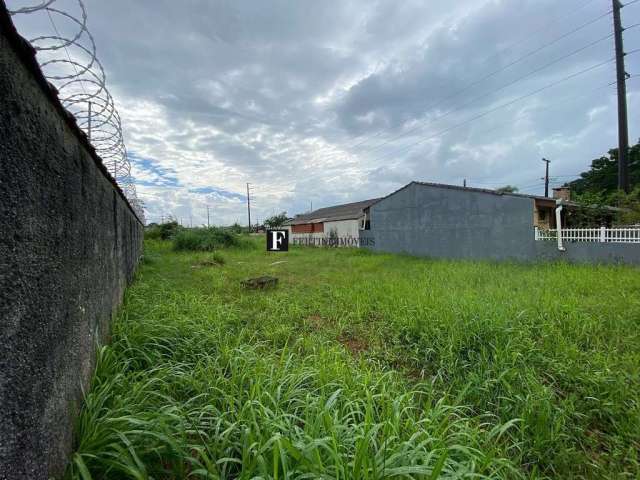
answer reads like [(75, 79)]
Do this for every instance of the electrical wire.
[(488, 94), (512, 102), (515, 62)]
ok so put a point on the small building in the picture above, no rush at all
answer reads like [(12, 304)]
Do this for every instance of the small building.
[(438, 220), (450, 221), (331, 226)]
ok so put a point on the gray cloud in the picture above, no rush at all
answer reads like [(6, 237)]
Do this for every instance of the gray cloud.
[(337, 101)]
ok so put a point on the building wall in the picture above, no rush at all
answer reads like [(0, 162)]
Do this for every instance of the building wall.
[(343, 228), (69, 243), (347, 230), (306, 228), (452, 223), (447, 223)]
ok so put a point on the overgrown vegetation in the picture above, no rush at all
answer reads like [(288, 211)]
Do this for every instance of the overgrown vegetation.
[(163, 231), (602, 177), (363, 366), (207, 239), (598, 188)]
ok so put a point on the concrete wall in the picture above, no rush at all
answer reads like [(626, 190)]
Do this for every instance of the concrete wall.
[(432, 221), (442, 222), (69, 243), (588, 252)]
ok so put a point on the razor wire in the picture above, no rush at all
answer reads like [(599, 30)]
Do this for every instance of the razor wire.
[(80, 80)]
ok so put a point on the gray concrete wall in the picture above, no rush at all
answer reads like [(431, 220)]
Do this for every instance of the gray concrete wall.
[(430, 221), (69, 243), (589, 252), (441, 222)]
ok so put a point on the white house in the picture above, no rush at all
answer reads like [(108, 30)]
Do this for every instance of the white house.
[(331, 226)]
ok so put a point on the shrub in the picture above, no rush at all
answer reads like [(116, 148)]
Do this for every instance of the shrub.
[(152, 232), (206, 239), (218, 259), (236, 228), (169, 230)]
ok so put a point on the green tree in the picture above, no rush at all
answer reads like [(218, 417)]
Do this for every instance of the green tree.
[(507, 189), (276, 220), (598, 187), (630, 205), (602, 177)]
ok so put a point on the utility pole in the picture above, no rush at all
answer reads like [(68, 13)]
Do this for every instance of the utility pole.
[(311, 206), (249, 206), (464, 183), (546, 177), (208, 224), (621, 74)]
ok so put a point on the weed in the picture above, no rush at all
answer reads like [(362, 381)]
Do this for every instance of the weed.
[(207, 239), (460, 370)]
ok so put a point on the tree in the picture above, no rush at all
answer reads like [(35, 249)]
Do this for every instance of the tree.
[(630, 205), (602, 177), (598, 187), (276, 220), (507, 189)]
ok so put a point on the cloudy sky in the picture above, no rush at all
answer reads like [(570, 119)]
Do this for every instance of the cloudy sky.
[(325, 102)]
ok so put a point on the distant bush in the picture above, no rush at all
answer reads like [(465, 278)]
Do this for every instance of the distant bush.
[(169, 230), (207, 239), (162, 231), (152, 232), (276, 221), (236, 228)]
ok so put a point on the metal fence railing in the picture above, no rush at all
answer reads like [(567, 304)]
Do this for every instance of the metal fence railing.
[(602, 234)]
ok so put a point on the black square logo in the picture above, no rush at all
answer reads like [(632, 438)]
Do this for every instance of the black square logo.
[(277, 240)]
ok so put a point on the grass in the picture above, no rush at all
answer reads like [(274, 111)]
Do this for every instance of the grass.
[(363, 366), (207, 239)]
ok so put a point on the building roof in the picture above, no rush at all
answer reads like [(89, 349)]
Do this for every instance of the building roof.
[(540, 198), (466, 189), (347, 211)]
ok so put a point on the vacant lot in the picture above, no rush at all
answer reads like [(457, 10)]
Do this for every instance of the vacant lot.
[(366, 366)]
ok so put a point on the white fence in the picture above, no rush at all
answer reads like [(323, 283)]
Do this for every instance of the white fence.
[(602, 234)]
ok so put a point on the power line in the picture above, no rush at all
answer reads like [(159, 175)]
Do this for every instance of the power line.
[(487, 112), (492, 92), (554, 105), (493, 181), (518, 60), (552, 178)]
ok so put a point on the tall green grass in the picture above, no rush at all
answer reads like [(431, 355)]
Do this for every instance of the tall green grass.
[(207, 239), (366, 366)]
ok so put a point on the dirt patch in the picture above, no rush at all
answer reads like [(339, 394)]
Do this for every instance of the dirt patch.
[(415, 374), (260, 283), (356, 346), (315, 321), (207, 264), (374, 316)]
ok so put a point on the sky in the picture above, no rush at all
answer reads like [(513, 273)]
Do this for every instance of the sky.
[(316, 103)]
